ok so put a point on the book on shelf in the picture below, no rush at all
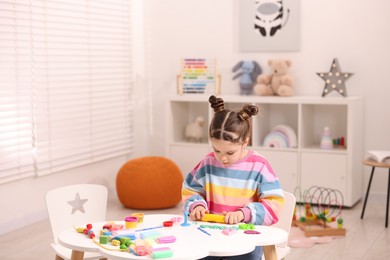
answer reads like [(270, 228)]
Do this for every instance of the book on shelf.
[(379, 156)]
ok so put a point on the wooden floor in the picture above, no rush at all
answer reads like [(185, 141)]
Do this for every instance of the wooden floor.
[(365, 239)]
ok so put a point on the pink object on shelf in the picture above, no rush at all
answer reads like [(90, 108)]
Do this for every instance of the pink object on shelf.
[(326, 140)]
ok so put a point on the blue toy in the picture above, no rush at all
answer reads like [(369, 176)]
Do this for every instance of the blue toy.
[(248, 75), (185, 223)]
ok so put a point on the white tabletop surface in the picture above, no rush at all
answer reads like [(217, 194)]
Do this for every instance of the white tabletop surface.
[(190, 242)]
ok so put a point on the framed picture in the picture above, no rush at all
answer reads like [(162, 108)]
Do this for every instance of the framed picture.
[(269, 25)]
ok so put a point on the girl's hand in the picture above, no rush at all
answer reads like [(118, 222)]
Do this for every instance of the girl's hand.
[(233, 217), (197, 213)]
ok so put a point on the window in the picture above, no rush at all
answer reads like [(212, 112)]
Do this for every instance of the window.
[(65, 84)]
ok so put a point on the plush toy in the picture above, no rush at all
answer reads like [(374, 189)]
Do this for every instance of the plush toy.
[(279, 82), (250, 70)]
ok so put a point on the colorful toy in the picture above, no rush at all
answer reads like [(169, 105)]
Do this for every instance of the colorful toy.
[(139, 216), (339, 142), (140, 242), (131, 222), (162, 254), (104, 239), (326, 140), (167, 223), (166, 239), (139, 250), (246, 226), (185, 222), (120, 233), (213, 218), (87, 231), (322, 206)]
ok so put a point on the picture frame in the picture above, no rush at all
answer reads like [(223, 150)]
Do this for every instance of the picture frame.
[(269, 25)]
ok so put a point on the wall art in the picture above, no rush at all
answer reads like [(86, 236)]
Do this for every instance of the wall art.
[(269, 25)]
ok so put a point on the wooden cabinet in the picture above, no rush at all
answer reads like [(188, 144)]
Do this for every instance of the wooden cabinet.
[(304, 165)]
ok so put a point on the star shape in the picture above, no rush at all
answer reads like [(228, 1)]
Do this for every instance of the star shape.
[(77, 204), (335, 79)]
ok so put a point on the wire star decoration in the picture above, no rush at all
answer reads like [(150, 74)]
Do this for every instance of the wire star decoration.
[(335, 79), (77, 204)]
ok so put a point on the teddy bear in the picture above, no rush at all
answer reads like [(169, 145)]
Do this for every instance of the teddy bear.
[(279, 82)]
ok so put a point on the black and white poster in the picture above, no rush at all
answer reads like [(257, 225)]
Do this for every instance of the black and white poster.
[(269, 25)]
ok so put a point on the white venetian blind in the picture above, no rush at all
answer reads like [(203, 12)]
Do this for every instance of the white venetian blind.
[(65, 82)]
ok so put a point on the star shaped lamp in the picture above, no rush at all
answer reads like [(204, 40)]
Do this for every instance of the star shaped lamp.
[(335, 79), (77, 204)]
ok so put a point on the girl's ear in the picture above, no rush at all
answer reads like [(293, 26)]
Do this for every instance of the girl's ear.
[(246, 142)]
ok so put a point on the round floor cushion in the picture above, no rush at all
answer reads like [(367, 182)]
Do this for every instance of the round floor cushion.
[(150, 182)]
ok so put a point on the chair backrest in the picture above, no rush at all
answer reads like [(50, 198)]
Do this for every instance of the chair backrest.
[(287, 212), (76, 205)]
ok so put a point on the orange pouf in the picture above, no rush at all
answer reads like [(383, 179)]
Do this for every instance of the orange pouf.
[(150, 182)]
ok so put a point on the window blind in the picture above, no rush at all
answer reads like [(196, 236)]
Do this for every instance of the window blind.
[(66, 79)]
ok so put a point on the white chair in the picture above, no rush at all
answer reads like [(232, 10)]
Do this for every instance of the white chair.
[(285, 221), (75, 205)]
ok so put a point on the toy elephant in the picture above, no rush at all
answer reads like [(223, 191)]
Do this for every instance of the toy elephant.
[(248, 75)]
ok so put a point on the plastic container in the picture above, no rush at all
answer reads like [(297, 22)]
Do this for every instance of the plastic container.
[(131, 222)]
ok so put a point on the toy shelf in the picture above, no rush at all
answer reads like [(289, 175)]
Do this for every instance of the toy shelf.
[(303, 165)]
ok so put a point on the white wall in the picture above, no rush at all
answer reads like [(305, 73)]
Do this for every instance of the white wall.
[(355, 32)]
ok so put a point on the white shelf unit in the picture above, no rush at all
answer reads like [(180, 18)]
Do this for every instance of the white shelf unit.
[(303, 166)]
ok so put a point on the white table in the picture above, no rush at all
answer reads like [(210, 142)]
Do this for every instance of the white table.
[(190, 242)]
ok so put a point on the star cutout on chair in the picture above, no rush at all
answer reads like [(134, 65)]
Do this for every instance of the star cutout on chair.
[(335, 79), (77, 204)]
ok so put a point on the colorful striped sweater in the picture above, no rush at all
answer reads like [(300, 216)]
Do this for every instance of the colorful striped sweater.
[(249, 185)]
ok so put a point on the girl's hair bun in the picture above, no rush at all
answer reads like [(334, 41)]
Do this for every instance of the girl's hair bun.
[(248, 111), (216, 103)]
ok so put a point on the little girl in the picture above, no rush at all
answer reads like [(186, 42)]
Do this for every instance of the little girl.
[(233, 181)]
